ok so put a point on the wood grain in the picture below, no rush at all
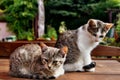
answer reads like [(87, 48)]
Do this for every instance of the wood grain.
[(105, 70), (6, 48)]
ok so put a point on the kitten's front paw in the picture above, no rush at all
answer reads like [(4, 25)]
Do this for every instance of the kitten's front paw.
[(90, 67), (90, 70), (52, 77)]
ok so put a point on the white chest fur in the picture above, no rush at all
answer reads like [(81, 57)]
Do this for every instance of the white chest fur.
[(89, 36), (85, 44), (85, 40)]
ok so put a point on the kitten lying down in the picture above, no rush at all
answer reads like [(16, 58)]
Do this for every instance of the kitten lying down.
[(81, 42), (37, 61)]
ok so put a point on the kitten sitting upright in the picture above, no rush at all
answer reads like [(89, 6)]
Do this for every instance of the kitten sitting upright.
[(81, 42), (33, 61)]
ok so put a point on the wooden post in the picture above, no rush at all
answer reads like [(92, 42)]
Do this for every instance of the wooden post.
[(41, 18), (39, 21)]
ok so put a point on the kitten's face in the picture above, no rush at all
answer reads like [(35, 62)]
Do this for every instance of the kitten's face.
[(98, 29), (54, 57)]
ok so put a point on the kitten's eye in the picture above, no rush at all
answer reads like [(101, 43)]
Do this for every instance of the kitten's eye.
[(46, 60), (57, 62), (60, 62), (95, 29), (54, 62), (94, 35), (101, 36)]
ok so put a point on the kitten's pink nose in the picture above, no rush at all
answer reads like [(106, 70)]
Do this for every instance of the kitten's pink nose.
[(49, 67)]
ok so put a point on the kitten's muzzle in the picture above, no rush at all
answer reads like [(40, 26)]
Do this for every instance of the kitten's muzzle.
[(49, 67)]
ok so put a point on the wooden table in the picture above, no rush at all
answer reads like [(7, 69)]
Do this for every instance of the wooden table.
[(105, 70)]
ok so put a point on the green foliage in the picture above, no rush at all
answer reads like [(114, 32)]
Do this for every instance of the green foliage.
[(113, 41), (62, 27), (20, 15), (51, 33), (110, 42), (77, 12), (99, 9), (118, 25)]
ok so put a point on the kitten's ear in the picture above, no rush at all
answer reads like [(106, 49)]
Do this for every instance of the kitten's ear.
[(42, 45), (91, 23), (64, 49), (108, 25)]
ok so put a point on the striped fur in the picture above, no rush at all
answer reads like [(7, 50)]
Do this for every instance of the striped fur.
[(33, 61)]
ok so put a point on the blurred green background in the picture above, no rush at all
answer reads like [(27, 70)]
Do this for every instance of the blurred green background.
[(20, 14)]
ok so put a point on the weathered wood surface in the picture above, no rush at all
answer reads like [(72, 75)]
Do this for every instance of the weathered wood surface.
[(6, 48), (105, 70), (106, 51)]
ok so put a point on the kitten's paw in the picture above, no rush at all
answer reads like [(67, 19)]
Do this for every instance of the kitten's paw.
[(90, 70), (52, 77), (90, 67)]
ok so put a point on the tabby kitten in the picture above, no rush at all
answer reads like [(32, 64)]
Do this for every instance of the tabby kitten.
[(34, 61), (81, 42)]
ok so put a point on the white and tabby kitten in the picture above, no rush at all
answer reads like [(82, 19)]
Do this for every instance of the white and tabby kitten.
[(34, 61), (81, 42)]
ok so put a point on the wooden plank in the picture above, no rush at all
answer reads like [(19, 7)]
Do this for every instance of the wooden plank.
[(106, 58), (106, 51), (105, 70), (6, 48)]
